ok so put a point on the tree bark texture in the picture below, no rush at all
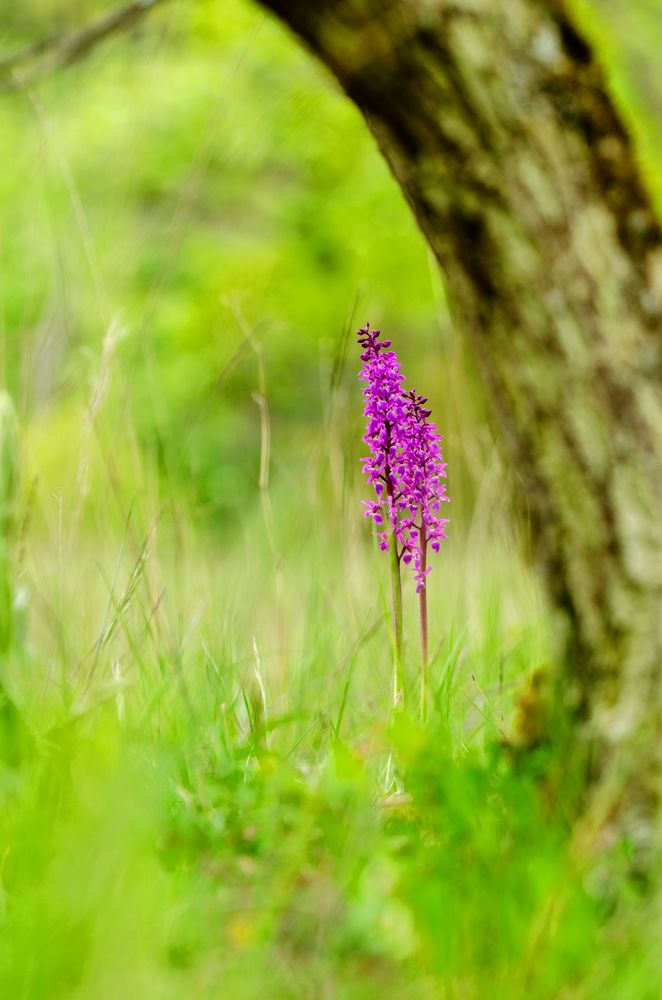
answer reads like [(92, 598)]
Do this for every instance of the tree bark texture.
[(495, 118)]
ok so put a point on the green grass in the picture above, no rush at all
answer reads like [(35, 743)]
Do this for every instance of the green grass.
[(195, 725), (196, 802)]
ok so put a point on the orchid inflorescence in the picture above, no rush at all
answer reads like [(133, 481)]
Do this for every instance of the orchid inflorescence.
[(406, 469), (405, 463)]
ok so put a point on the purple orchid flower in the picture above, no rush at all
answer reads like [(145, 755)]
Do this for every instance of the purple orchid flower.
[(406, 468), (405, 465)]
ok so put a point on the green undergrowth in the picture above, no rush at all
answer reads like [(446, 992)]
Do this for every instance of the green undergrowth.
[(192, 808), (204, 791), (212, 868)]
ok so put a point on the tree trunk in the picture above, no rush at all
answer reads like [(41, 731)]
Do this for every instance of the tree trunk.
[(495, 119)]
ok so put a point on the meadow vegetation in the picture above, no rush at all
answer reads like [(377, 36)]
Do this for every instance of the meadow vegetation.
[(196, 692)]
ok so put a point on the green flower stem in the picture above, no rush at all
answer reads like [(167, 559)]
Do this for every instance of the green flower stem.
[(396, 586), (423, 615)]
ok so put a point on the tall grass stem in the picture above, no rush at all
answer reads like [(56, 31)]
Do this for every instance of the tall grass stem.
[(8, 496)]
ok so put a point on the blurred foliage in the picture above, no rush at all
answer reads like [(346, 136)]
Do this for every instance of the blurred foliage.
[(199, 176), (198, 171), (193, 735)]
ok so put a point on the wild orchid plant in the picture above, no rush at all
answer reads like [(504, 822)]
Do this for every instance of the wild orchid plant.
[(406, 469)]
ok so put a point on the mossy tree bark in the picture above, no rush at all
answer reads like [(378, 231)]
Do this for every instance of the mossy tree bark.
[(496, 121)]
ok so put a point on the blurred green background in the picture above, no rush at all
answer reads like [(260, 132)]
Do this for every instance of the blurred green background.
[(194, 223), (202, 176), (200, 170)]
